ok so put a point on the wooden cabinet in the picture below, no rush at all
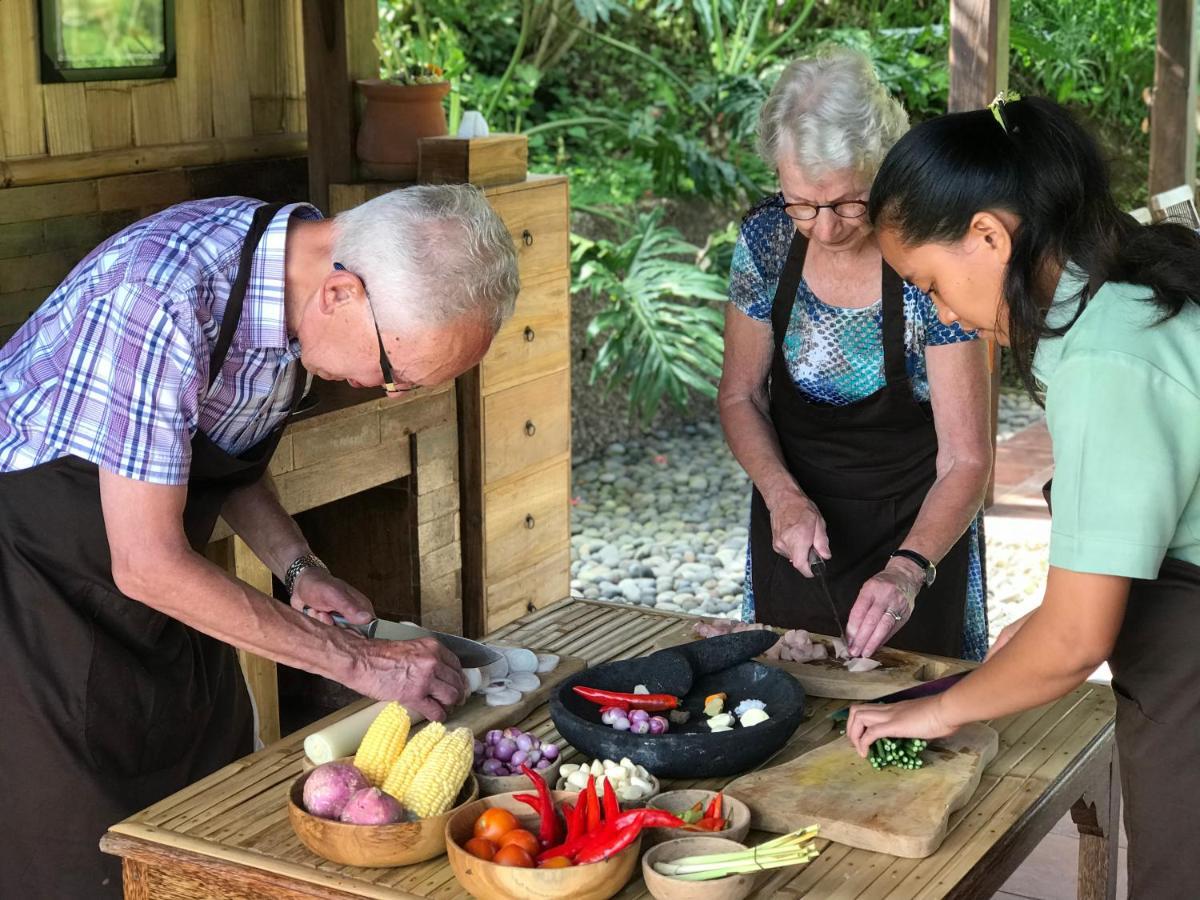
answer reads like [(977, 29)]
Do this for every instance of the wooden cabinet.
[(514, 418), (515, 425)]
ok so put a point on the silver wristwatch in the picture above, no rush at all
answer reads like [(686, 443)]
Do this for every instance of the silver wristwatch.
[(299, 564)]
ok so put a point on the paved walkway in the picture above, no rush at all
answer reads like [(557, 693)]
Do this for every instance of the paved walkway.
[(1018, 531)]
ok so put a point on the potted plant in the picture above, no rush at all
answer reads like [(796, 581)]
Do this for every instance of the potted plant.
[(399, 111)]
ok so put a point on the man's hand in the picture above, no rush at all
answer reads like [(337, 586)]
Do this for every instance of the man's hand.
[(420, 674), (318, 594)]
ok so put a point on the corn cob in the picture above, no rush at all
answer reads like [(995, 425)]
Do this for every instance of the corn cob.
[(405, 769), (441, 776), (383, 743)]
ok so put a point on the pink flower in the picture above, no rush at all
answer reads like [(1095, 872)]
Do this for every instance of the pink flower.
[(575, 501), (660, 460)]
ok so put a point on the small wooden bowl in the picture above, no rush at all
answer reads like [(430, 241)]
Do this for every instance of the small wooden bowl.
[(737, 812), (490, 881), (655, 784), (373, 845), (663, 887), (491, 785)]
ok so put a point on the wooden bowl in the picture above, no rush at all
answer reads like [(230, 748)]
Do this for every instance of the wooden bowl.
[(737, 812), (489, 881), (490, 785), (662, 887), (373, 845), (655, 785)]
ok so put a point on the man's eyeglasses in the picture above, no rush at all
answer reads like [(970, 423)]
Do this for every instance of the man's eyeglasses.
[(806, 212), (385, 366)]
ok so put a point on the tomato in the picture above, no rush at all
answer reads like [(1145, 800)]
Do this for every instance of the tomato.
[(555, 862), (494, 824), (480, 848), (522, 839), (512, 855)]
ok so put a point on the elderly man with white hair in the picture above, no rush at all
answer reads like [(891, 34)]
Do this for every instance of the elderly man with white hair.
[(142, 400), (860, 417)]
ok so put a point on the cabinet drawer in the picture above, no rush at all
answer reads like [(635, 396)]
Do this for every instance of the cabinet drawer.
[(526, 425), (536, 587), (535, 341), (537, 220), (526, 520)]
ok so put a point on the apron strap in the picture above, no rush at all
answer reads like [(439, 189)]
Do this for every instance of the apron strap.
[(789, 283), (895, 354), (233, 307)]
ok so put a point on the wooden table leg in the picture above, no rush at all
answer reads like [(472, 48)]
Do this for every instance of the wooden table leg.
[(1097, 815), (260, 673)]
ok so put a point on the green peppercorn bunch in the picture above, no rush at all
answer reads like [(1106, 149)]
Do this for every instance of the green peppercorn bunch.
[(904, 753)]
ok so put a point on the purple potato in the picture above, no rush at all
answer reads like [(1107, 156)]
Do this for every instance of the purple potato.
[(329, 788), (371, 806)]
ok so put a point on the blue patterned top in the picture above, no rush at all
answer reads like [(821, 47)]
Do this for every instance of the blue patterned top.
[(835, 356)]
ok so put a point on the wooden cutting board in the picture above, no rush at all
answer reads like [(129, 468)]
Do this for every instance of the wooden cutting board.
[(903, 812), (829, 678)]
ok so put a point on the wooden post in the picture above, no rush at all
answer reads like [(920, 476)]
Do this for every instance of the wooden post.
[(978, 71), (1173, 116), (338, 48)]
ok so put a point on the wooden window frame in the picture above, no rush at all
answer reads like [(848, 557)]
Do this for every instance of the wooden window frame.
[(53, 73)]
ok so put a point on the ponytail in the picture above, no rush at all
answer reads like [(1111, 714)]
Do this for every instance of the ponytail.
[(1036, 162)]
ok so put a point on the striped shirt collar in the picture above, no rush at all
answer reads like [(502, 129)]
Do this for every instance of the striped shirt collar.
[(264, 322)]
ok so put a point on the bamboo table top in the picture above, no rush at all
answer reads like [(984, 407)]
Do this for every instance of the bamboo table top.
[(235, 821)]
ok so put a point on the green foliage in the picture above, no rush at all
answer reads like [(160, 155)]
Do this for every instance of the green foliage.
[(661, 337), (110, 34)]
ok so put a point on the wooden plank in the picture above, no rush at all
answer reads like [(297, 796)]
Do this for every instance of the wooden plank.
[(67, 126), (526, 519), (22, 122), (1173, 115), (20, 239), (231, 79), (436, 453), (303, 489), (56, 169), (155, 113), (362, 24), (110, 115), (978, 52), (437, 533), (482, 161), (536, 341), (437, 503), (18, 306), (441, 603), (29, 204), (528, 590), (194, 60), (329, 95), (318, 446), (158, 189), (267, 114), (259, 671), (526, 425), (41, 270), (295, 112)]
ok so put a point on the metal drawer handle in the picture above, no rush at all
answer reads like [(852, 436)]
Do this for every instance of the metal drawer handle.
[(530, 521), (530, 428), (528, 333), (527, 237)]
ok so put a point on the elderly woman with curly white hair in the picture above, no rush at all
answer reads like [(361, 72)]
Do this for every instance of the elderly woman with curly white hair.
[(859, 416)]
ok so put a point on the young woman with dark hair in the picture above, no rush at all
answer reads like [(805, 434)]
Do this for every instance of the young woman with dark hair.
[(1005, 217)]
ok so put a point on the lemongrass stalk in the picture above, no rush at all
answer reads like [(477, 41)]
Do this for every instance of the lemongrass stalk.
[(693, 864), (710, 872)]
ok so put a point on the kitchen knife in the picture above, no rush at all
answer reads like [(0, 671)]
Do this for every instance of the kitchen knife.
[(471, 654), (817, 564), (924, 689)]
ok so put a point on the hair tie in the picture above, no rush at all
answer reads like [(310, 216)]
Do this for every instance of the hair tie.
[(997, 107)]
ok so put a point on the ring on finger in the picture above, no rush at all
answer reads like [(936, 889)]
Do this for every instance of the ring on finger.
[(898, 616)]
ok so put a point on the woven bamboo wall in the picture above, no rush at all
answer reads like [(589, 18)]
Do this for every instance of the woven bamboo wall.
[(240, 76)]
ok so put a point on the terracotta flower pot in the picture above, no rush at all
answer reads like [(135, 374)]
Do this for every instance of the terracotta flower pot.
[(395, 118)]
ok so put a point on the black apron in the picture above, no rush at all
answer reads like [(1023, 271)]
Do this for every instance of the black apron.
[(867, 466), (107, 705)]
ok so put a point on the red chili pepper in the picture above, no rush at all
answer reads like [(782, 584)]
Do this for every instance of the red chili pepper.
[(593, 808), (550, 832), (648, 818), (612, 808), (714, 807), (707, 824), (571, 819), (648, 702), (607, 843)]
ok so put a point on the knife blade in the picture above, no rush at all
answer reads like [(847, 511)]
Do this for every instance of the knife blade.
[(817, 564), (916, 692), (471, 654)]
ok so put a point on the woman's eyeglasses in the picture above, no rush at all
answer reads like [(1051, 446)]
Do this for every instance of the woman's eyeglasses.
[(806, 212), (385, 366)]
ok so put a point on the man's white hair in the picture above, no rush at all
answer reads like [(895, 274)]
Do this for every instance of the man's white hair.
[(430, 253), (829, 112)]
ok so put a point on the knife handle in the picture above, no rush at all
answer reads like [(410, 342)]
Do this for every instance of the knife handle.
[(816, 562), (366, 629)]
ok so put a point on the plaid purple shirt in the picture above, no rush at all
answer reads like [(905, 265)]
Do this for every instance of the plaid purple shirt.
[(113, 367)]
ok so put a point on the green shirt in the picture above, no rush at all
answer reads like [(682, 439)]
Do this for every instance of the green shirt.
[(1123, 410)]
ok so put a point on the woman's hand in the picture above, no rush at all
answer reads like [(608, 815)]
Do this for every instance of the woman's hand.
[(318, 595), (909, 719), (796, 528), (1007, 632), (884, 605)]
